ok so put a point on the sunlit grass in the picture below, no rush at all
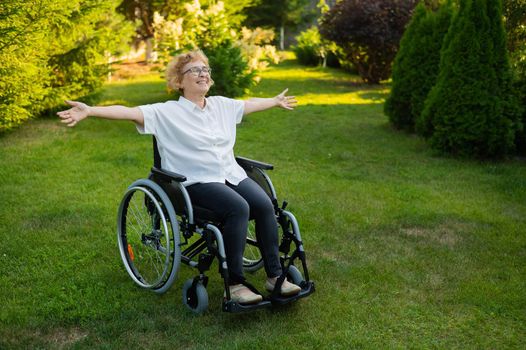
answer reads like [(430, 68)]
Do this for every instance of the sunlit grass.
[(355, 98), (321, 86), (408, 250)]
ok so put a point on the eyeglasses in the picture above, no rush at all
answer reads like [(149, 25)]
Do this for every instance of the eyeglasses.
[(196, 71)]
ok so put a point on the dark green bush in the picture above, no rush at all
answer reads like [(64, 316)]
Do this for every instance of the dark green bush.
[(231, 73), (398, 106), (333, 61), (416, 65), (471, 110), (520, 142)]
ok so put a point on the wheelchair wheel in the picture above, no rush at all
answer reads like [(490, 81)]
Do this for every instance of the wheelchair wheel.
[(195, 296), (148, 236), (252, 260)]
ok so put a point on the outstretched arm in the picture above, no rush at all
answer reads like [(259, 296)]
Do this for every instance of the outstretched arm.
[(80, 111), (260, 104)]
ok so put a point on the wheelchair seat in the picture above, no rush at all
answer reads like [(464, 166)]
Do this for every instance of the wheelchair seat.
[(158, 228)]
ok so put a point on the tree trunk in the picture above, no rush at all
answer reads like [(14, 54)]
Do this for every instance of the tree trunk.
[(282, 37), (148, 49)]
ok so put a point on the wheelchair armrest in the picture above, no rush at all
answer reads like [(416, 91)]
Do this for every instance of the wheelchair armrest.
[(168, 175), (245, 162)]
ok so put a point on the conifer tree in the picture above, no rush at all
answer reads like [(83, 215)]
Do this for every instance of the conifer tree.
[(398, 105), (469, 112), (51, 50), (416, 65)]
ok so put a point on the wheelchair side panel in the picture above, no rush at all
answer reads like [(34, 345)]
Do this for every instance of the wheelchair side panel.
[(262, 179)]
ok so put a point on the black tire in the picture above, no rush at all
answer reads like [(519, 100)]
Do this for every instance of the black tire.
[(196, 299), (148, 236)]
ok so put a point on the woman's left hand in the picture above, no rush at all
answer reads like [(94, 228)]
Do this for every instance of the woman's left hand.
[(287, 102)]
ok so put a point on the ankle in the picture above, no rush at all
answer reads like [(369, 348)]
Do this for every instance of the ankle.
[(272, 279)]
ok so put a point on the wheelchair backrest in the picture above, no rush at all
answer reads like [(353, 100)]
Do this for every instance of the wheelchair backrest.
[(156, 155), (262, 179), (172, 190)]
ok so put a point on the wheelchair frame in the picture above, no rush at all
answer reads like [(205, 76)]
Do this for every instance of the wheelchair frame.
[(167, 222)]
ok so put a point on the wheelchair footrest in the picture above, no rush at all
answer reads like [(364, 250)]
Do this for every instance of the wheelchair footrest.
[(235, 307), (307, 288)]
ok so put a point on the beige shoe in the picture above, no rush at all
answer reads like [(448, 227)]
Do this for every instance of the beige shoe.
[(241, 294), (287, 288)]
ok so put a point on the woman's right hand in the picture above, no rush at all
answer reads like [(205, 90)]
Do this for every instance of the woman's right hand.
[(75, 114)]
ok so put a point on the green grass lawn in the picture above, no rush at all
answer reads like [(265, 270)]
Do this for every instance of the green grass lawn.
[(407, 249)]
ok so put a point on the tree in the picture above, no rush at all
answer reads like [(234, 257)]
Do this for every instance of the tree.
[(369, 32), (83, 43), (46, 58), (471, 110), (23, 73), (278, 14), (416, 64), (515, 21), (142, 13), (208, 28)]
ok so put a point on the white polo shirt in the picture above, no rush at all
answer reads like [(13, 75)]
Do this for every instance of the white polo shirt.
[(194, 142)]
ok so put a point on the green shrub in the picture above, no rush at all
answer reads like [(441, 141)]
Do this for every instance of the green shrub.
[(208, 28), (313, 50), (398, 106), (308, 49), (23, 71), (471, 110), (45, 58), (416, 65), (231, 74), (520, 142)]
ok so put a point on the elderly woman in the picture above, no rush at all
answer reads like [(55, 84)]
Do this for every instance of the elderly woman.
[(196, 137)]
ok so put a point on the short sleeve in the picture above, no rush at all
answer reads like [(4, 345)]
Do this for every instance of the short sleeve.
[(150, 120), (239, 109), (233, 108)]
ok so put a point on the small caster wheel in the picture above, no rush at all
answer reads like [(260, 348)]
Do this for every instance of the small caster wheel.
[(195, 298)]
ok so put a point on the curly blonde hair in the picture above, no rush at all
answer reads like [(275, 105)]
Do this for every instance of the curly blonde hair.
[(174, 70)]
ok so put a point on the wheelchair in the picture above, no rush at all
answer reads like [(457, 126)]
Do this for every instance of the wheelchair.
[(158, 228)]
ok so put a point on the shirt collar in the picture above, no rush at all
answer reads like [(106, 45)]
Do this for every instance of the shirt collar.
[(190, 105)]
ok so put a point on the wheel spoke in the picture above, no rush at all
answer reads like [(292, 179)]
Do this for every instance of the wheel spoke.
[(252, 259), (145, 228), (149, 262), (137, 214)]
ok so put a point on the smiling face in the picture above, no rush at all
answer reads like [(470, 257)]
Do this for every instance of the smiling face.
[(189, 83), (195, 81)]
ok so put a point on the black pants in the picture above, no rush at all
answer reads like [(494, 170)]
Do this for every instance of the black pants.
[(235, 205)]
